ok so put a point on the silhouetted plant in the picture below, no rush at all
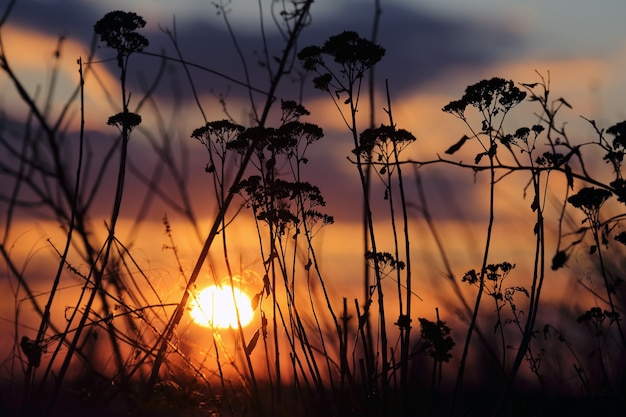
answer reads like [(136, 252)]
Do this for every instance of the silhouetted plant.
[(342, 79), (502, 296), (381, 147), (125, 122), (67, 180), (118, 30), (437, 340), (493, 99), (286, 208), (353, 54), (599, 322), (589, 200), (263, 165), (437, 343), (248, 143)]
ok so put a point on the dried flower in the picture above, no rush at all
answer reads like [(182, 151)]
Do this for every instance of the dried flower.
[(118, 30), (127, 120)]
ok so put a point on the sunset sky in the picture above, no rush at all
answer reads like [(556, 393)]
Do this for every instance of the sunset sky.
[(434, 49)]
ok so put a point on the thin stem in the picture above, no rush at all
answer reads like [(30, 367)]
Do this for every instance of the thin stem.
[(472, 324), (218, 221)]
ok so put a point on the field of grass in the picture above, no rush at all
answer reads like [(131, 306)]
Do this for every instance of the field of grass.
[(486, 279)]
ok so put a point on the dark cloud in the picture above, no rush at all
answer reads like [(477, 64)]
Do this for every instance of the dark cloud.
[(70, 18), (419, 45)]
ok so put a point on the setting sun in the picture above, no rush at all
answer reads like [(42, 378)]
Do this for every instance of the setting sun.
[(214, 306)]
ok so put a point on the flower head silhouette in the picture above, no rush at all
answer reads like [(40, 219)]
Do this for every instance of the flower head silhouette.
[(118, 30)]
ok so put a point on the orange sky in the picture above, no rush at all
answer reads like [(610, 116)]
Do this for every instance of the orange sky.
[(593, 84)]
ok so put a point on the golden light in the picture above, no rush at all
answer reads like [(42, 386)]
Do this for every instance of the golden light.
[(217, 307)]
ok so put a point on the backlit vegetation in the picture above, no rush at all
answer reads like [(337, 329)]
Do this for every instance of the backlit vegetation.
[(96, 329)]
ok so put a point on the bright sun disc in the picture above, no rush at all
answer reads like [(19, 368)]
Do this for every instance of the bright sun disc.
[(214, 307)]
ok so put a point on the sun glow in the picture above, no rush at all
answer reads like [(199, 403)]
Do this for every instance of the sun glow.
[(217, 307)]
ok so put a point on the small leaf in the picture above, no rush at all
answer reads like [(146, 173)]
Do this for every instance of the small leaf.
[(322, 82), (452, 149), (570, 177), (559, 260), (253, 341), (266, 285), (479, 157), (263, 324), (254, 303), (592, 249), (537, 129), (562, 100), (535, 204)]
